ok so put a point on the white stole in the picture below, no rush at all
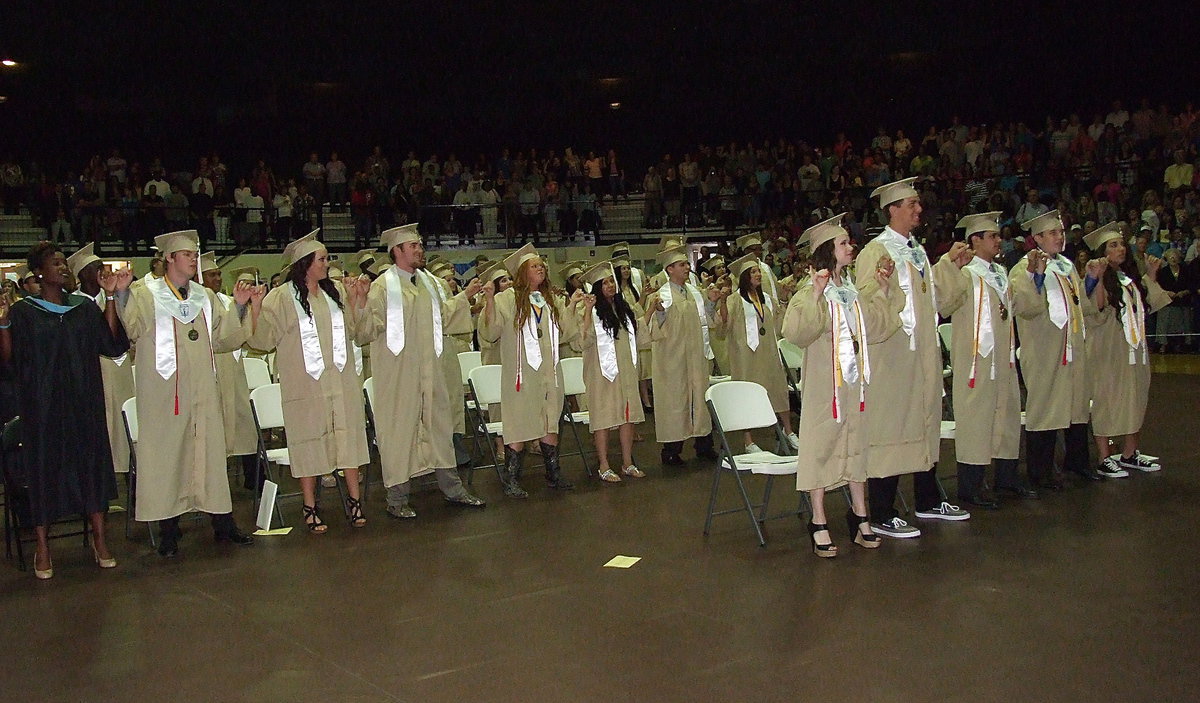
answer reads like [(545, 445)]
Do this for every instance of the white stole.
[(438, 296), (101, 300), (897, 247), (982, 326), (531, 344), (227, 303), (606, 346), (846, 318), (1060, 300), (752, 321), (310, 340), (167, 310), (1133, 319), (635, 277), (394, 311), (665, 295)]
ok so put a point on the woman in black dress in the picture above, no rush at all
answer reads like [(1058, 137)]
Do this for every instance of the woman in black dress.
[(52, 343)]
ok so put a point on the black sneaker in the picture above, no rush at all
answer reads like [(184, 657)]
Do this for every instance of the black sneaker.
[(1110, 468), (1140, 462)]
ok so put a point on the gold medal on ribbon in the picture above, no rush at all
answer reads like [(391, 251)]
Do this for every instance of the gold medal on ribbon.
[(193, 335)]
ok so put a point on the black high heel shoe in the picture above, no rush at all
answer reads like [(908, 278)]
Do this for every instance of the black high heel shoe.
[(354, 513), (855, 523), (827, 550)]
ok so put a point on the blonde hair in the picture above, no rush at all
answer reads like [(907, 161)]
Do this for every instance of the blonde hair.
[(520, 285)]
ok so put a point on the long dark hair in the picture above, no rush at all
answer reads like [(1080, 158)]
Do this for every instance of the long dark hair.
[(823, 257), (621, 285), (744, 286), (1112, 286), (297, 276), (613, 316)]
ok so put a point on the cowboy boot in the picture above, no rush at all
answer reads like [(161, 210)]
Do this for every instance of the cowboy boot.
[(554, 477)]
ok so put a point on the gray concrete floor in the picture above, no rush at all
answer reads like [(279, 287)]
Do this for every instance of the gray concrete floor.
[(1089, 594)]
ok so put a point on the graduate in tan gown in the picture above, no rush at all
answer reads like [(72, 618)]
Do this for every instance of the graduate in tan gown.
[(1050, 306), (457, 339), (1118, 359), (608, 328), (528, 323), (403, 317), (489, 351), (987, 400), (836, 327), (751, 245), (240, 437), (749, 320), (905, 433), (677, 320), (304, 321), (177, 327), (117, 374), (715, 273)]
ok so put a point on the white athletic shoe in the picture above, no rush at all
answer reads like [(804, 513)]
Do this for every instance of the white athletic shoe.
[(896, 528), (945, 511)]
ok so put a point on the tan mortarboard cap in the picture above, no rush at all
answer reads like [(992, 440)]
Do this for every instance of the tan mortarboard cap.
[(1101, 236), (248, 274), (183, 240), (399, 235), (1043, 223), (379, 267), (572, 268), (741, 265), (672, 240), (712, 262), (748, 240), (23, 272), (302, 247), (336, 269), (441, 268), (599, 272), (81, 258), (666, 257), (895, 192), (208, 261), (513, 261), (822, 232), (362, 255), (617, 249), (491, 271), (982, 222), (470, 273)]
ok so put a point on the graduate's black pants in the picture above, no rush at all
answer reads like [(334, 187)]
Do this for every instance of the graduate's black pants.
[(222, 524), (971, 477), (1039, 449), (704, 443), (881, 493)]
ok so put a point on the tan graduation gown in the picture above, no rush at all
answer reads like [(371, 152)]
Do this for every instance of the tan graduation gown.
[(987, 418), (645, 368), (616, 402), (763, 365), (180, 456), (679, 386), (1058, 395), (906, 388), (534, 410), (324, 418), (456, 337), (1120, 390), (489, 355), (118, 388), (414, 419), (240, 438), (833, 452)]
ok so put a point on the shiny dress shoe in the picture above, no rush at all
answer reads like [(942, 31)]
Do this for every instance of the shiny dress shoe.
[(1089, 474), (168, 548), (980, 500), (235, 536), (43, 574), (1019, 491), (672, 460), (403, 512), (468, 500), (110, 563)]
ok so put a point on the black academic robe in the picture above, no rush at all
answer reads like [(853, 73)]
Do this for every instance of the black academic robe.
[(56, 363)]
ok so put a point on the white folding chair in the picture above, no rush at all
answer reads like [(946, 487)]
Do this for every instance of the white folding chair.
[(467, 361), (129, 417), (946, 334), (257, 373), (573, 385), (269, 357), (266, 404), (793, 362), (742, 405), (714, 380), (485, 389)]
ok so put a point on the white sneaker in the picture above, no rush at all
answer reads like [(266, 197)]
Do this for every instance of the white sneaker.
[(1141, 462), (752, 448), (895, 528), (945, 511), (794, 441), (1111, 468)]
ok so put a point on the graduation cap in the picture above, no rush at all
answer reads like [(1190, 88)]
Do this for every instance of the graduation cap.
[(302, 247), (399, 235), (711, 263), (82, 258), (513, 261), (1096, 239), (245, 273), (491, 271), (981, 222), (746, 241), (208, 262), (599, 272), (1043, 223), (183, 240), (672, 255), (896, 191), (822, 232), (618, 250), (672, 240)]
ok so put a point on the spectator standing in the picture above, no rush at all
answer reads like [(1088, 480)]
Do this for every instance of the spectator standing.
[(335, 178), (201, 204), (313, 172)]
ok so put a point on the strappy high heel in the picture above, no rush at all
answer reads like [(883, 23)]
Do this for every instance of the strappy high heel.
[(354, 512), (313, 520), (827, 550), (855, 523)]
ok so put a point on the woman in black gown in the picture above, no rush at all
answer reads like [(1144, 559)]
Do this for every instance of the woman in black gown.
[(52, 344)]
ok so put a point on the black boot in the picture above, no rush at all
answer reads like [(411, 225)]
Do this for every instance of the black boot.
[(970, 487), (554, 477), (670, 453), (704, 448), (168, 537), (225, 530), (513, 460), (252, 480)]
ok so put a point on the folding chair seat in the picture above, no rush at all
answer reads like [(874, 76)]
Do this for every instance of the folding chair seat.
[(484, 382), (573, 386), (257, 373)]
